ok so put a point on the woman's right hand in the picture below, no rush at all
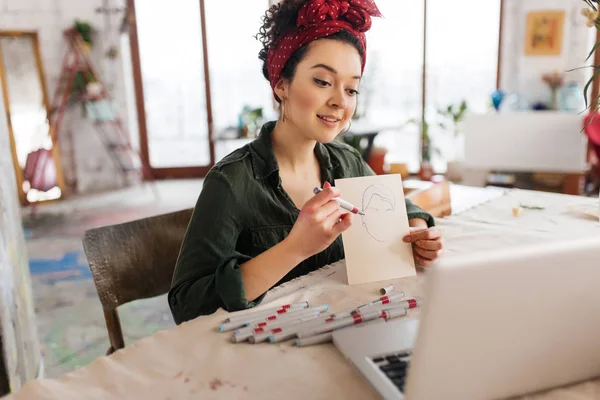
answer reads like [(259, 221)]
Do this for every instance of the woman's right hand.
[(320, 222)]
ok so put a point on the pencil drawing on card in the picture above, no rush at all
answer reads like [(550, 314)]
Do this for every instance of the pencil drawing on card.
[(378, 206)]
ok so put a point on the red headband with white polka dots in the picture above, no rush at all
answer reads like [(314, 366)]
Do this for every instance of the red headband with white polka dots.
[(318, 19)]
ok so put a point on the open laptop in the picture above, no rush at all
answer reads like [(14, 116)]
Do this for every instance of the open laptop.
[(493, 325)]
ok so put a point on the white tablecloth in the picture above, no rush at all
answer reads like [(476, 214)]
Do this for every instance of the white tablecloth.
[(193, 361)]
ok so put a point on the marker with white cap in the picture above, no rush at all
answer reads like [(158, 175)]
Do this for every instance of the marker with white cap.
[(247, 316), (240, 322), (288, 332), (240, 335), (386, 290), (395, 296), (355, 319), (280, 319), (328, 336), (394, 313), (271, 318), (343, 203), (410, 303)]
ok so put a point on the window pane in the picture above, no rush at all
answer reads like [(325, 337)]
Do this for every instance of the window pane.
[(235, 70), (462, 58), (391, 85), (172, 63)]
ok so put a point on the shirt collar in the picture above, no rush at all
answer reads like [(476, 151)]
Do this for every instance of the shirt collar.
[(264, 162)]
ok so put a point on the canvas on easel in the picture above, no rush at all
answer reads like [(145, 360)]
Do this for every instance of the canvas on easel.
[(373, 244)]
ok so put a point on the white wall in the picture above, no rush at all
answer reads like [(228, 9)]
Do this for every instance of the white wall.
[(522, 73), (17, 320), (85, 162)]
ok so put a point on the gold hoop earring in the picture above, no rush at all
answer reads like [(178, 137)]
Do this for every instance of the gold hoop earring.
[(347, 129)]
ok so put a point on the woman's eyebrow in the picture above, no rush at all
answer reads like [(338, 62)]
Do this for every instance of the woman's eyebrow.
[(330, 69)]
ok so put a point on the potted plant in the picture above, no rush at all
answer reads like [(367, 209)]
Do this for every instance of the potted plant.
[(452, 117), (83, 78), (555, 80), (427, 148), (85, 30)]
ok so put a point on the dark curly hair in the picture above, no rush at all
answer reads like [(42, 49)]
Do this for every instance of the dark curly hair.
[(276, 21)]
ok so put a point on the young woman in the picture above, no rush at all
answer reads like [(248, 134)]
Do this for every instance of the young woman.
[(257, 222)]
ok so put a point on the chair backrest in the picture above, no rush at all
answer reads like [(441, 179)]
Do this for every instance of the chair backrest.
[(135, 260)]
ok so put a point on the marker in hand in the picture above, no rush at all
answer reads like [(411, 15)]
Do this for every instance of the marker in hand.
[(343, 203)]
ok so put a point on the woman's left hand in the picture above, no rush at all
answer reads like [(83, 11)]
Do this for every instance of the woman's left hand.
[(427, 243)]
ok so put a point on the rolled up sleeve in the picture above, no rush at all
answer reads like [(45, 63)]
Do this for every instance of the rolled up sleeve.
[(207, 275)]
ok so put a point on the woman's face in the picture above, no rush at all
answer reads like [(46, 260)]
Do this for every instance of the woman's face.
[(321, 98)]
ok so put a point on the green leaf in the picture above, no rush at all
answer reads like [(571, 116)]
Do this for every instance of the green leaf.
[(592, 51), (587, 85), (575, 69), (591, 4)]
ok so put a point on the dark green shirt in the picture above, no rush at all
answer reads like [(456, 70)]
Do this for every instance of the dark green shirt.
[(242, 211)]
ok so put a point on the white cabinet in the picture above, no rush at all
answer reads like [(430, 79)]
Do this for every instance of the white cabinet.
[(529, 141)]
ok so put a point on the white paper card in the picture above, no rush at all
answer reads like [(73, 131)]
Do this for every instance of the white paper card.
[(373, 244)]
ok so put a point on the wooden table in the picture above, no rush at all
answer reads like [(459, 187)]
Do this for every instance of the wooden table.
[(193, 361)]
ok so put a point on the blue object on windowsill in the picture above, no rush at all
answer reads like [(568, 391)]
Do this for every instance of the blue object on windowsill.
[(539, 106), (497, 97)]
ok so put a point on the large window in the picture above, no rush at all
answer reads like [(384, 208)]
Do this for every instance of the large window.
[(236, 75), (462, 60), (461, 63), (171, 62), (462, 52), (391, 89), (235, 70), (391, 85)]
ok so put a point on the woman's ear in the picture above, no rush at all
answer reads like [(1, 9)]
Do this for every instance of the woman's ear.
[(281, 89)]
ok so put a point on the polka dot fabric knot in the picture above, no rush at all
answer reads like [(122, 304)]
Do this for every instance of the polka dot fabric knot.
[(317, 19), (316, 11)]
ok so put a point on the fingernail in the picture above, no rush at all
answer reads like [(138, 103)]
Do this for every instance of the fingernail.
[(327, 185), (406, 239)]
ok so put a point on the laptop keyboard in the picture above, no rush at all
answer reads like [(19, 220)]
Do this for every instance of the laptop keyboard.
[(394, 366)]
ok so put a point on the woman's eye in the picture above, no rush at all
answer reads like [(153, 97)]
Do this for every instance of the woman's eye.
[(353, 92), (321, 82)]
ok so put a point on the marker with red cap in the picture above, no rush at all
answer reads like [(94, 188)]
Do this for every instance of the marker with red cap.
[(342, 323), (390, 298), (343, 203), (408, 304)]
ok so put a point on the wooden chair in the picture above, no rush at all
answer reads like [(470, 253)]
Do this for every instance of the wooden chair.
[(435, 199), (132, 261)]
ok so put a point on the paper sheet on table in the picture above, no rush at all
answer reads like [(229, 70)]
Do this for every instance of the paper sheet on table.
[(373, 244)]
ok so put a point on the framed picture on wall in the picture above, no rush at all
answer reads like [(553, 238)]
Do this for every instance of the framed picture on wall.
[(544, 33)]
